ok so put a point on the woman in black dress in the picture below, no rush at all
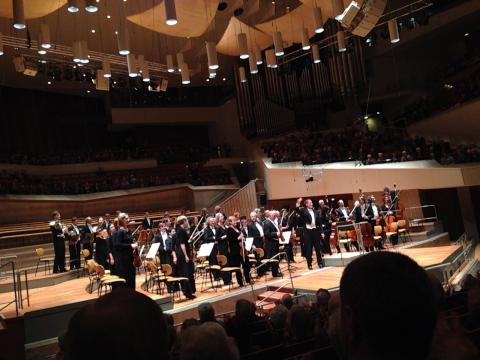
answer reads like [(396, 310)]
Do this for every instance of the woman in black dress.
[(123, 246), (183, 250)]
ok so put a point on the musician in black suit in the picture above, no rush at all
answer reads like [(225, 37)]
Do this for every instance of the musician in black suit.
[(235, 256), (272, 237), (58, 234), (147, 222), (87, 236), (342, 212), (255, 231), (373, 214), (165, 250), (183, 250), (324, 211), (312, 232), (101, 244), (74, 244)]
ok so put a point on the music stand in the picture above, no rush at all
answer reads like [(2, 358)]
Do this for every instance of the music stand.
[(205, 251), (152, 252)]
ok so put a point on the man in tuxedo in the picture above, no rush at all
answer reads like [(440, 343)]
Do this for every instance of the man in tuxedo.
[(255, 230), (373, 214), (326, 225), (165, 250), (106, 222), (58, 234), (342, 212), (312, 232), (147, 223), (272, 235)]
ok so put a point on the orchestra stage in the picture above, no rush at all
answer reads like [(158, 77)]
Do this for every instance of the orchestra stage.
[(52, 306)]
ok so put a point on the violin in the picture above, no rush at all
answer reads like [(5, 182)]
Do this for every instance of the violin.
[(137, 261)]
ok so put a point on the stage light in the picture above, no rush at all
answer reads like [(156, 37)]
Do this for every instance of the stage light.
[(241, 74), (185, 74), (318, 20), (315, 54), (212, 55), (393, 31), (242, 45), (170, 12), (305, 39), (253, 64), (278, 43), (73, 6), (18, 15), (91, 6), (170, 67), (342, 47)]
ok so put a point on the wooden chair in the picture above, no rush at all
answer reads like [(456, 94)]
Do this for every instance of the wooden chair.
[(403, 230), (156, 277), (256, 258), (392, 232), (43, 259), (92, 274), (174, 283), (85, 253), (344, 240), (223, 262), (106, 280)]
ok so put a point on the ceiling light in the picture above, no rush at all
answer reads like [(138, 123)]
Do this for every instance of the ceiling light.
[(170, 12), (241, 74), (185, 74), (44, 36), (18, 15), (123, 39), (315, 54), (393, 31), (212, 73), (466, 34), (212, 55), (258, 54), (253, 64), (73, 6), (1, 44), (91, 6), (77, 51), (88, 91), (224, 79), (365, 117), (108, 16), (318, 20), (132, 65), (170, 67), (342, 47), (84, 52), (305, 39), (49, 82), (271, 58), (146, 73), (278, 43), (107, 71), (337, 9), (93, 31), (207, 80), (180, 61), (41, 51), (242, 45)]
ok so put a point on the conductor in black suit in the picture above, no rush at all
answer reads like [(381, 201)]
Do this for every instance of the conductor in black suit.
[(312, 232), (272, 236)]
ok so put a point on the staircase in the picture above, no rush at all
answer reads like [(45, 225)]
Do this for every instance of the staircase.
[(273, 294)]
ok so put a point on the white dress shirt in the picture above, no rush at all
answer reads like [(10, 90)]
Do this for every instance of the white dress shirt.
[(312, 225)]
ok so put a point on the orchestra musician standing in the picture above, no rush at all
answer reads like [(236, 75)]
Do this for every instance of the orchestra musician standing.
[(147, 222), (235, 246), (312, 231), (272, 237), (74, 244), (184, 255), (101, 244), (255, 230), (342, 212), (112, 233), (373, 215), (210, 236), (165, 250), (58, 236), (88, 232), (123, 250), (324, 210)]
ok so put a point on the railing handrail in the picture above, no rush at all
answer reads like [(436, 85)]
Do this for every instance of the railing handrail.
[(263, 264), (238, 191), (410, 209), (274, 292)]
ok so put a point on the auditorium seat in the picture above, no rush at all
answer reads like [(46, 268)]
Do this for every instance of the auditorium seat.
[(275, 352)]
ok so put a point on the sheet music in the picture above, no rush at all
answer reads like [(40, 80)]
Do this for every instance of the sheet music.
[(248, 243), (152, 252), (286, 237), (205, 250)]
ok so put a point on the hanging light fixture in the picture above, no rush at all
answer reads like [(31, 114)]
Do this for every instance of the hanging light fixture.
[(337, 9), (170, 12), (180, 61), (305, 39), (18, 15), (107, 72), (84, 52), (1, 44), (185, 74), (123, 38), (241, 74), (73, 6), (253, 64), (170, 67), (146, 73), (342, 47), (212, 55), (91, 6), (315, 54), (318, 20), (393, 31), (242, 45), (212, 73), (271, 58), (77, 51), (278, 43), (258, 54), (40, 49), (45, 36), (132, 65)]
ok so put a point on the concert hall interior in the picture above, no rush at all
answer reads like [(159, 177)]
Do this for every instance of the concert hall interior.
[(240, 179)]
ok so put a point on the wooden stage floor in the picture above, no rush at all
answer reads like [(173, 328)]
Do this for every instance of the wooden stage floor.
[(73, 291)]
